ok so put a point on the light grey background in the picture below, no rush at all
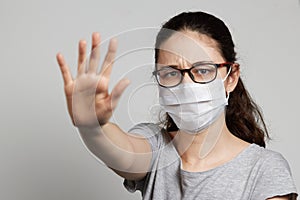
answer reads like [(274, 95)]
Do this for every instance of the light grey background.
[(42, 157)]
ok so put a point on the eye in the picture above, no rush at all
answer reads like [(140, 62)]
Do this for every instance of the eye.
[(203, 70), (168, 73), (171, 74)]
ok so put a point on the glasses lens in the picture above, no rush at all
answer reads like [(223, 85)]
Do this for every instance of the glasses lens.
[(204, 73), (168, 76)]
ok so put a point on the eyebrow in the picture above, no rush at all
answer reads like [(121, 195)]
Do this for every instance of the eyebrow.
[(176, 65)]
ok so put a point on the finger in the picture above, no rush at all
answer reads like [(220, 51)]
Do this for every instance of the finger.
[(109, 58), (95, 53), (81, 57), (118, 91), (65, 71)]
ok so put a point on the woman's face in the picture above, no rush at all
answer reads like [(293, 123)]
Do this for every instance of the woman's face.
[(187, 47)]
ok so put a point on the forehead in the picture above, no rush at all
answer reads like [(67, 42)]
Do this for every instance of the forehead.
[(189, 47)]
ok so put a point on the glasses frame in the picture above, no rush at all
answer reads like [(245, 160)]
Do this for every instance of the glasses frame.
[(183, 71)]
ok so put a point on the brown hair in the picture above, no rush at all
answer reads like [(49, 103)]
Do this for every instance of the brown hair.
[(243, 116)]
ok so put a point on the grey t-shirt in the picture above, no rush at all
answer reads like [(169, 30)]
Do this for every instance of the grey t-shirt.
[(256, 173)]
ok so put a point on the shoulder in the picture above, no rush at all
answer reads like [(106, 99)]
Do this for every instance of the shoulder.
[(274, 177), (273, 165), (271, 160)]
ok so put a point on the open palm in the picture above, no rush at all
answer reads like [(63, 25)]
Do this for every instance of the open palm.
[(89, 102)]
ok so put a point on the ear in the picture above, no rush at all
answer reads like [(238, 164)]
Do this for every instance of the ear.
[(233, 77)]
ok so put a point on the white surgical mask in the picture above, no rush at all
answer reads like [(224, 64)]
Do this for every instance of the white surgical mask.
[(193, 106)]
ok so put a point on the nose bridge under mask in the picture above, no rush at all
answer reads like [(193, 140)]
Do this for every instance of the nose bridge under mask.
[(191, 93)]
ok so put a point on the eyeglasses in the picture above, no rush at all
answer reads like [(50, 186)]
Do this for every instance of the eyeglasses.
[(200, 72)]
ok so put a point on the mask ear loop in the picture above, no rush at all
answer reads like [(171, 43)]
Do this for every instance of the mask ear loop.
[(227, 93), (227, 97), (227, 74)]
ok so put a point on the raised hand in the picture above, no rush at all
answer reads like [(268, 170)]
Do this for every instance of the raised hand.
[(89, 102)]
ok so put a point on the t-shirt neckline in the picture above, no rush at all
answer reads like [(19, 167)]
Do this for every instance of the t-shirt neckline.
[(235, 159)]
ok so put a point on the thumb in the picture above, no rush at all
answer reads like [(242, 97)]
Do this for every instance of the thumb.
[(118, 91)]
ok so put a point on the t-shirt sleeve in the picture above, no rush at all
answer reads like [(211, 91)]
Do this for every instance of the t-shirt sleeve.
[(275, 178), (152, 132)]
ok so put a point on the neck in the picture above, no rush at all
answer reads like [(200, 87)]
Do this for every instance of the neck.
[(214, 145)]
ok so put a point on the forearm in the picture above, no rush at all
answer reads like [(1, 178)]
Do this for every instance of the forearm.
[(117, 149)]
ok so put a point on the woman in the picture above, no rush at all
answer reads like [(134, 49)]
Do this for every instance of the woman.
[(211, 144)]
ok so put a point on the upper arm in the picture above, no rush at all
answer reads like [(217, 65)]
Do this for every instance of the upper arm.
[(286, 197), (141, 155), (292, 196), (143, 141)]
